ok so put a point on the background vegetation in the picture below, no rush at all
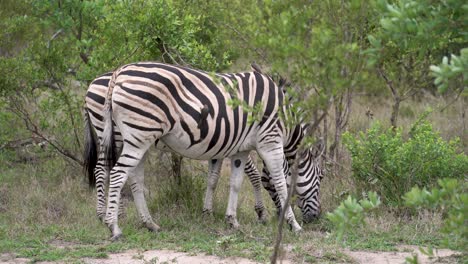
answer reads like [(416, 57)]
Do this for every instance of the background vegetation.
[(390, 77)]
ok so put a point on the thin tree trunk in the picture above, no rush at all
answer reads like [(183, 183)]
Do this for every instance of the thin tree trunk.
[(395, 111), (279, 236), (396, 98), (325, 135), (342, 113)]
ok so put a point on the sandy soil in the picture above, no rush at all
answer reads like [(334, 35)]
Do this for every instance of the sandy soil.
[(169, 256), (150, 256), (398, 257)]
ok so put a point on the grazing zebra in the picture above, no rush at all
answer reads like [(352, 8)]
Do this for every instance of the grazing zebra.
[(187, 110), (308, 183), (97, 171)]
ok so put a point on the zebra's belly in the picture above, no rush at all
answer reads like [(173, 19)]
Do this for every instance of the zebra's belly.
[(183, 146)]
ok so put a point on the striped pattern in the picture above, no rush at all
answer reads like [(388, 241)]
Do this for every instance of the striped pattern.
[(158, 102)]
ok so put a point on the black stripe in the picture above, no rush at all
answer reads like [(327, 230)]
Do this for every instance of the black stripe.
[(102, 81), (271, 102), (222, 110), (96, 115), (142, 128), (139, 111), (95, 97), (129, 142)]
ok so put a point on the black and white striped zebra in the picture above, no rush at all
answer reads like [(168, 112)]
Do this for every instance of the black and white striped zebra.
[(188, 111), (308, 181), (94, 105), (98, 172)]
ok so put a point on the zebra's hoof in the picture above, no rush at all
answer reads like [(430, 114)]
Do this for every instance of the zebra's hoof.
[(207, 213), (115, 237), (296, 229), (262, 214), (232, 222), (151, 226), (263, 220), (101, 217)]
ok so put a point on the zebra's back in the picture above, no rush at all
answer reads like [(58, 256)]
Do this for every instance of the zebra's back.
[(192, 109)]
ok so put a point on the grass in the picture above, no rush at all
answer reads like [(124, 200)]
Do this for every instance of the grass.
[(50, 216)]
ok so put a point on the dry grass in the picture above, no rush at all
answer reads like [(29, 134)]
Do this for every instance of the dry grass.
[(450, 122)]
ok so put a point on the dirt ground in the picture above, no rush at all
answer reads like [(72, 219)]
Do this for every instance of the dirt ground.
[(169, 256)]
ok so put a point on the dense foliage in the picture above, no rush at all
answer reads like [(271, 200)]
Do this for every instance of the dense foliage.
[(51, 50), (391, 163)]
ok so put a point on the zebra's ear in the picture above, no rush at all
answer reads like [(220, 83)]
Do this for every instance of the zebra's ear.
[(305, 127), (282, 83), (255, 67), (318, 148)]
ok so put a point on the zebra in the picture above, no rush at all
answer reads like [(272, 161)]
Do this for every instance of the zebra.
[(95, 100), (309, 180), (96, 171), (150, 101)]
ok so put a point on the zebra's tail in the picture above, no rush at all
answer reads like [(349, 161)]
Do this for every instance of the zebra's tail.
[(108, 136), (90, 152)]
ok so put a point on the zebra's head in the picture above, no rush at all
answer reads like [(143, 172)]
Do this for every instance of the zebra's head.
[(308, 185)]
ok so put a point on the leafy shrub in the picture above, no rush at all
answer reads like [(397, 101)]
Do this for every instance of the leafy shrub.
[(383, 160), (452, 198), (350, 213)]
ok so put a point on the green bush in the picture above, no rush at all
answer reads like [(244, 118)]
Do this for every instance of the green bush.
[(385, 161), (350, 213), (451, 198)]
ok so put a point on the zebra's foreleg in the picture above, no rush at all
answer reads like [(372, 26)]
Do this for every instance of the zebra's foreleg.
[(138, 188), (214, 169), (237, 174), (273, 157), (255, 179), (268, 184)]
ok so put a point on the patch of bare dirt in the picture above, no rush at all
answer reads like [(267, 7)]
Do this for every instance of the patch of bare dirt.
[(170, 256), (440, 256), (165, 256), (146, 257)]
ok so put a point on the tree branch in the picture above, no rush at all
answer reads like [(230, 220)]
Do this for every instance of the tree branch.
[(279, 236)]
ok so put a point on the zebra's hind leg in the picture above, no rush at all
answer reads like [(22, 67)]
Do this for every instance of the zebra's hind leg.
[(273, 157), (237, 174), (214, 170), (102, 175), (255, 179), (125, 167), (137, 186)]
